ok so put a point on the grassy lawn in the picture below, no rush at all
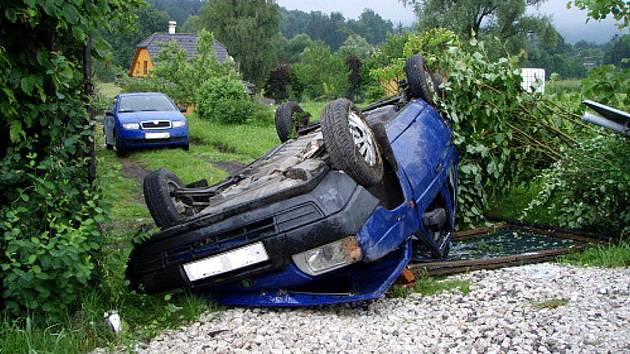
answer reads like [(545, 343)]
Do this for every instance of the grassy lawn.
[(107, 89)]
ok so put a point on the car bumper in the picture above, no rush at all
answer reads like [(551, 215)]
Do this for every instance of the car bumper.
[(336, 208), (137, 138)]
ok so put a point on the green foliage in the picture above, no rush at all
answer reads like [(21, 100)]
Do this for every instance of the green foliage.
[(371, 26), (550, 303), (177, 10), (178, 77), (355, 46), (609, 85), (600, 9), (322, 73), (590, 187), (250, 31), (605, 255), (291, 50), (123, 36), (49, 208), (487, 20), (429, 286), (224, 100), (503, 133)]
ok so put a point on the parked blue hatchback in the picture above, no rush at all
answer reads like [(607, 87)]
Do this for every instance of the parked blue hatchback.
[(144, 120)]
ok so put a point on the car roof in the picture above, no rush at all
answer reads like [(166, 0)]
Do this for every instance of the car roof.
[(142, 94)]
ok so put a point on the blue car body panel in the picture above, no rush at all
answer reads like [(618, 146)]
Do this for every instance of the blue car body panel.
[(421, 142), (128, 139)]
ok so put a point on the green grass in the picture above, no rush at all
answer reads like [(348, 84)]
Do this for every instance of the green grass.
[(563, 86), (429, 286), (607, 256), (107, 89), (314, 108), (550, 303), (512, 205), (244, 142)]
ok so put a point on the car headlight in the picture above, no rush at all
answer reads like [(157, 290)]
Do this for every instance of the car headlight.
[(131, 126), (178, 123), (329, 257)]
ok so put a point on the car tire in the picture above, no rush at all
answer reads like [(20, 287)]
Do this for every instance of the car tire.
[(157, 189), (118, 148), (418, 79), (186, 147), (360, 158), (289, 118)]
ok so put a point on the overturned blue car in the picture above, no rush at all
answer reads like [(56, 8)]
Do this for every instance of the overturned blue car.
[(331, 215)]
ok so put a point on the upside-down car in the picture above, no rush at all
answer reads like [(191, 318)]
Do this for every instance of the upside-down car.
[(331, 215)]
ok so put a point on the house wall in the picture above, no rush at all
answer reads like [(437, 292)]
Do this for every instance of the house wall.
[(138, 65)]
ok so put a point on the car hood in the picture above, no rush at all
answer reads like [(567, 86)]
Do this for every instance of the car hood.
[(136, 117)]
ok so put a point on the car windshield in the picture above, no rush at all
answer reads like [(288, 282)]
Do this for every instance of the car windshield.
[(137, 103)]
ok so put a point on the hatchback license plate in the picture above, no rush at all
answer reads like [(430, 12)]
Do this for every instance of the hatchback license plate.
[(157, 135), (226, 262)]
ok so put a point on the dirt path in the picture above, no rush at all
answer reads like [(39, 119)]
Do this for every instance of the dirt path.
[(131, 169)]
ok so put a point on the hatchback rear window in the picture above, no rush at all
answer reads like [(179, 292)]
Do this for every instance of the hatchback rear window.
[(145, 103)]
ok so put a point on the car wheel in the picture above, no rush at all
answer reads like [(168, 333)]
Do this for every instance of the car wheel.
[(350, 143), (418, 79), (186, 147), (118, 148), (290, 117), (165, 209)]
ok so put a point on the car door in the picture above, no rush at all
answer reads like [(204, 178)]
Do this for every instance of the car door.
[(108, 123)]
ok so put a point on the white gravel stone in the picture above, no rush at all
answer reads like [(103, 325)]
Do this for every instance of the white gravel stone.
[(497, 316)]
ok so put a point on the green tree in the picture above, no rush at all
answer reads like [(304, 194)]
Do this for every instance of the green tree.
[(330, 29), (291, 50), (371, 26), (123, 37), (250, 30), (356, 46), (294, 22), (178, 10), (619, 52), (600, 9), (486, 19), (322, 73)]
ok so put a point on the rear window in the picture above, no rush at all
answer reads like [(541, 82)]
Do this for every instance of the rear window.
[(145, 103)]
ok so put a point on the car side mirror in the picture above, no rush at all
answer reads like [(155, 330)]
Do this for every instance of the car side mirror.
[(183, 109)]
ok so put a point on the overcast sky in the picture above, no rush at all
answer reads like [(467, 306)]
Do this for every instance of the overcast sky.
[(571, 23)]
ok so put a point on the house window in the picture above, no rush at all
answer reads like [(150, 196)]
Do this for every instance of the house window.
[(146, 64)]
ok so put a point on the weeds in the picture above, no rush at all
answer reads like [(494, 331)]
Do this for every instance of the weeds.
[(429, 286), (607, 256), (550, 303)]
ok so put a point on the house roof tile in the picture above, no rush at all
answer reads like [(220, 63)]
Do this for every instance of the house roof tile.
[(186, 41)]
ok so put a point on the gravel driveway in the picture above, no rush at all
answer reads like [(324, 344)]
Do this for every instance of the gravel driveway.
[(498, 315)]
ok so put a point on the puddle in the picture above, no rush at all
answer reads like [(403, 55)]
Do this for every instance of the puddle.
[(505, 242)]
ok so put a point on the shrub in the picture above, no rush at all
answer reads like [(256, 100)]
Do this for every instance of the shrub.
[(503, 133), (590, 187), (224, 100)]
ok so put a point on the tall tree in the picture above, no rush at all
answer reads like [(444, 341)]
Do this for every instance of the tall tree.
[(123, 38), (371, 26), (294, 22), (249, 29), (618, 51), (178, 10), (504, 19), (330, 29)]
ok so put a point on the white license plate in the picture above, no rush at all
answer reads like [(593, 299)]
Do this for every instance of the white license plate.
[(157, 135), (226, 262)]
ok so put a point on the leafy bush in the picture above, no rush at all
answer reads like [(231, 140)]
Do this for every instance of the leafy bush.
[(502, 132), (49, 205), (322, 73), (590, 187), (224, 100), (609, 85), (178, 77)]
